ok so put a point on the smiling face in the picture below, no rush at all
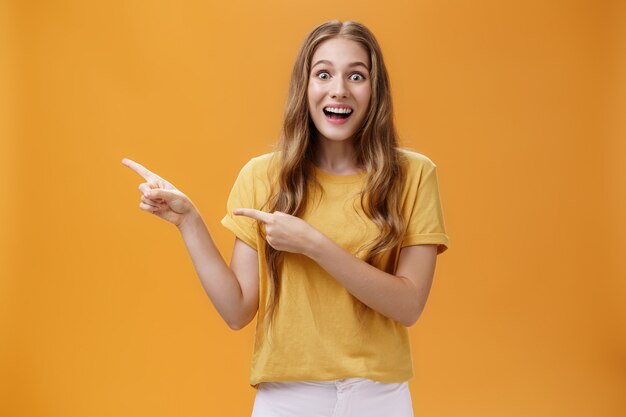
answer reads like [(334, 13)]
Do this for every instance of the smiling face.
[(339, 88)]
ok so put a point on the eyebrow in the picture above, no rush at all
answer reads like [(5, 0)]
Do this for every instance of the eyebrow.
[(352, 64)]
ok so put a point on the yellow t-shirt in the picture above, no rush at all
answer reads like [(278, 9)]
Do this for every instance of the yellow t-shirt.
[(316, 330)]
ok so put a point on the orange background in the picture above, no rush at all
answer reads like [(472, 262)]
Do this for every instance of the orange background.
[(521, 105)]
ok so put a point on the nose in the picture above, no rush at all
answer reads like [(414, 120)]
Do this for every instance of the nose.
[(339, 88)]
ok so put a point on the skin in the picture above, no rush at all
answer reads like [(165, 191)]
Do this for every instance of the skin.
[(234, 290)]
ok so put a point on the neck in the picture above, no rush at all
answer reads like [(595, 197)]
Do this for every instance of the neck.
[(336, 157)]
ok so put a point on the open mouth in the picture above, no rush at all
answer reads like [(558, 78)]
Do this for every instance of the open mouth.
[(337, 114)]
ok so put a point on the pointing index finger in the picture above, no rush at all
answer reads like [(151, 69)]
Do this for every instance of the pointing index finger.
[(138, 168), (253, 213)]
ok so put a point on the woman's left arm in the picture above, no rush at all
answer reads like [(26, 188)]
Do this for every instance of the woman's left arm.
[(401, 297)]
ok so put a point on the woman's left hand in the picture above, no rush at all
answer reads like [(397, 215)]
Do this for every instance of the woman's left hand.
[(283, 231)]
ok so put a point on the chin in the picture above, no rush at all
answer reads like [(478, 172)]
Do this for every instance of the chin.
[(335, 135), (336, 138)]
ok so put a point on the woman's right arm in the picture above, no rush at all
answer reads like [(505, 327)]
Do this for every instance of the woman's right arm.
[(232, 290)]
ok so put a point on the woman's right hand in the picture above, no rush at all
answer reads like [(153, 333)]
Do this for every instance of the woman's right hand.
[(160, 197)]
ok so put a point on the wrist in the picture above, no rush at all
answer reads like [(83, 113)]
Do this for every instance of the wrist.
[(316, 245), (189, 221)]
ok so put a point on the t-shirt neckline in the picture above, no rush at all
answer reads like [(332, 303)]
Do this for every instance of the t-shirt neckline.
[(327, 177)]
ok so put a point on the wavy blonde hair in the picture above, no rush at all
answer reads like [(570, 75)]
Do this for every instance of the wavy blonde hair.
[(376, 148)]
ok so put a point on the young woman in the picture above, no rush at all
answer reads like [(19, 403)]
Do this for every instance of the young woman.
[(337, 233)]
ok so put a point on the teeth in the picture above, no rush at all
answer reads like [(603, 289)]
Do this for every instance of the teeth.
[(337, 110)]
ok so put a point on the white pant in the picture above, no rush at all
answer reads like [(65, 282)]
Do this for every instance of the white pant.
[(351, 397)]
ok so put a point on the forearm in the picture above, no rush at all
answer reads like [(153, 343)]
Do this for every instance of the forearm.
[(392, 296), (218, 280)]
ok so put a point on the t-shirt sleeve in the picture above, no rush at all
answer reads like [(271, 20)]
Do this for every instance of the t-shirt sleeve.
[(242, 196), (425, 224)]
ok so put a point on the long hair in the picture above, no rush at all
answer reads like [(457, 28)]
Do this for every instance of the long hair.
[(376, 148)]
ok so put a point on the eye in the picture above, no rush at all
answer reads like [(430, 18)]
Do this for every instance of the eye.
[(358, 75), (319, 73)]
